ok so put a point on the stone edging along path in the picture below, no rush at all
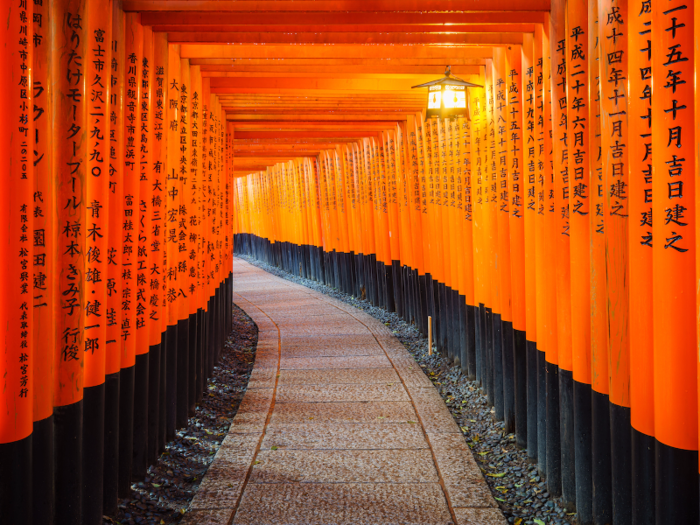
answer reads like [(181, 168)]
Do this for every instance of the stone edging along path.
[(332, 442)]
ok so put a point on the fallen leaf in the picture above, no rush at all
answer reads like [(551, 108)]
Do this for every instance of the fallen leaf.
[(501, 499), (499, 475), (256, 462), (539, 522), (156, 484), (412, 422), (518, 521), (273, 447)]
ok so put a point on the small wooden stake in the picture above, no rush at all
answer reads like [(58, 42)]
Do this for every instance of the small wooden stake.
[(430, 335)]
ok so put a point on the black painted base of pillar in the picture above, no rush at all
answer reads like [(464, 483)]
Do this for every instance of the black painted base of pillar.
[(16, 481), (93, 453), (643, 479), (110, 485)]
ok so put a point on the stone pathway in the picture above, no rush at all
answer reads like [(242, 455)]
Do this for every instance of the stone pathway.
[(339, 425)]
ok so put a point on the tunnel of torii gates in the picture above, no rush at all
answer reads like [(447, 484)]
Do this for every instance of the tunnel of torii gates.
[(144, 141)]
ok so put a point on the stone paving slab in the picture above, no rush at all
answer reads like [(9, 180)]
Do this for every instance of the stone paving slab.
[(338, 393), (347, 504), (354, 362), (345, 436), (339, 425), (344, 466), (343, 376), (293, 351), (344, 412)]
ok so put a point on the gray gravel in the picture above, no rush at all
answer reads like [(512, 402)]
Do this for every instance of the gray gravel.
[(517, 487), (170, 485)]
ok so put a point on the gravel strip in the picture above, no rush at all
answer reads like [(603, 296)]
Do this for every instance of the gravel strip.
[(170, 485), (514, 482)]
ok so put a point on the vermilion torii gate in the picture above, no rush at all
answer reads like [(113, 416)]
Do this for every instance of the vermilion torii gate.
[(144, 140)]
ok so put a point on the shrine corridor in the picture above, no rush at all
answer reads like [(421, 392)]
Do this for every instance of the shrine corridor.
[(516, 177)]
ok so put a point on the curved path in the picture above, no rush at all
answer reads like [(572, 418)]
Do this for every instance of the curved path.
[(339, 425)]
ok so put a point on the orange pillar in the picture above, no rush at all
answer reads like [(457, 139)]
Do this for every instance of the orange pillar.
[(173, 278), (530, 169), (70, 171), (674, 253), (113, 312), (559, 453), (416, 207), (478, 175), (500, 250), (600, 411), (613, 16), (641, 334), (44, 263), (552, 232), (516, 209), (577, 84), (543, 170), (99, 30), (130, 235), (17, 388), (157, 274), (144, 257)]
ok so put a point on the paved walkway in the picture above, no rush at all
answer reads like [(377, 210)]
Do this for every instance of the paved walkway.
[(339, 425)]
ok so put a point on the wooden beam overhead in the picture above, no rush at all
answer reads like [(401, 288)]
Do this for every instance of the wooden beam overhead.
[(434, 29), (322, 71), (219, 84), (501, 38), (319, 17), (243, 154), (342, 134), (265, 6), (332, 63), (279, 146), (337, 117), (336, 51)]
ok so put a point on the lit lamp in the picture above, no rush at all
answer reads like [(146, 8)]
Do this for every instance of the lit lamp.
[(447, 97)]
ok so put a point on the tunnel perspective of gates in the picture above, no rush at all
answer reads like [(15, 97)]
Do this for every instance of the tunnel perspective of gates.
[(117, 247), (525, 232), (550, 234)]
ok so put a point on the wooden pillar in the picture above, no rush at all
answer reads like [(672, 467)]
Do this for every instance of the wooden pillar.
[(640, 264), (113, 309), (44, 264), (674, 253), (99, 35), (578, 123), (17, 277), (516, 210), (69, 108)]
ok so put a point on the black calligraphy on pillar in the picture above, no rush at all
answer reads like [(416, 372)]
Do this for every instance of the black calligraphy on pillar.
[(71, 231)]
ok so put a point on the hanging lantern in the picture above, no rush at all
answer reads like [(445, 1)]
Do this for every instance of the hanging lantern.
[(447, 97)]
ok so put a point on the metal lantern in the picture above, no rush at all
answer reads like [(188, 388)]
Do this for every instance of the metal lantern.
[(447, 97)]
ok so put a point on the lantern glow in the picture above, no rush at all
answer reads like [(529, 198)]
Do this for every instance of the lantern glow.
[(447, 97)]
